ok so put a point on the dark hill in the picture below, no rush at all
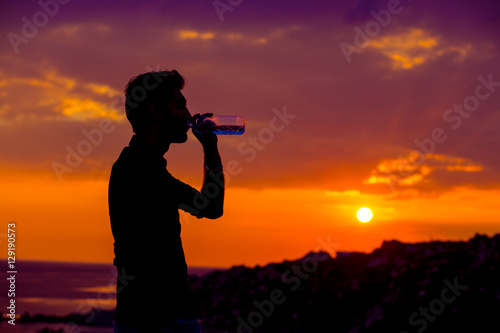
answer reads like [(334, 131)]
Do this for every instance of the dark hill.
[(423, 287)]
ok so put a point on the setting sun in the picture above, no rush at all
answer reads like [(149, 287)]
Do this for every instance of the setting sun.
[(364, 215)]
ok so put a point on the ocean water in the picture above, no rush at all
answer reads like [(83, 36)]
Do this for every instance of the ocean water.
[(55, 288)]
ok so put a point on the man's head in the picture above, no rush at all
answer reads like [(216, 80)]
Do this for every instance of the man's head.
[(154, 102)]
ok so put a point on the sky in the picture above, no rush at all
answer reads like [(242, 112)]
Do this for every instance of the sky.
[(390, 105)]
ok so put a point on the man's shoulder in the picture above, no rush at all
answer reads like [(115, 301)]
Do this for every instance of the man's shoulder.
[(128, 163), (124, 159)]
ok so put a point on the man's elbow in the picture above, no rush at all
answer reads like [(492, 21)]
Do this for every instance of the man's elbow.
[(214, 214)]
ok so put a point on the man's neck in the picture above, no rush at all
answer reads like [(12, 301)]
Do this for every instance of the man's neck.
[(153, 142)]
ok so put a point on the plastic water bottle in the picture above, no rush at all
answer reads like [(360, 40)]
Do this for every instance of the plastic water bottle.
[(220, 125)]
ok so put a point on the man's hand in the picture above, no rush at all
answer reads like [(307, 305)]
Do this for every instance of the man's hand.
[(207, 139)]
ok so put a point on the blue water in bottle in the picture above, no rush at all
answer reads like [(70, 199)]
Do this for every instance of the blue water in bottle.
[(225, 125)]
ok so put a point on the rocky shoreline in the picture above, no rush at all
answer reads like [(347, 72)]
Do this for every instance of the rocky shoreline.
[(402, 288), (431, 287)]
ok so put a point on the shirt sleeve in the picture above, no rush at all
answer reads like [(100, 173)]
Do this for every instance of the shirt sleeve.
[(197, 203)]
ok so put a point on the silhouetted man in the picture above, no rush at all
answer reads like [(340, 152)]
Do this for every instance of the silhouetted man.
[(152, 293)]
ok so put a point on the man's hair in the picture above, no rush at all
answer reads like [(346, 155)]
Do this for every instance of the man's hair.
[(149, 88)]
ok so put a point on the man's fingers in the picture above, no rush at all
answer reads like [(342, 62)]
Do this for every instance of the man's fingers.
[(195, 118)]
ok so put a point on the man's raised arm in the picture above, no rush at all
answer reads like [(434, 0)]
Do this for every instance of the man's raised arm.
[(211, 201), (213, 182)]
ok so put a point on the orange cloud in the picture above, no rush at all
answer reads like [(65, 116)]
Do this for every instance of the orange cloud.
[(191, 34), (87, 109), (278, 33), (103, 90), (78, 30), (411, 170), (56, 98), (414, 47)]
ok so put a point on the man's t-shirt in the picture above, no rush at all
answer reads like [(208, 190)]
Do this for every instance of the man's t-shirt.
[(143, 206)]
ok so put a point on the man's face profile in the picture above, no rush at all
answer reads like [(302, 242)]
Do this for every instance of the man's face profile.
[(175, 118)]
